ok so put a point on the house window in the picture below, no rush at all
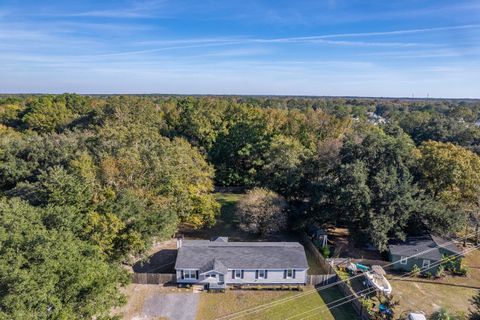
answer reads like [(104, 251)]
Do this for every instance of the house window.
[(210, 275), (238, 274), (403, 260), (289, 273), (261, 274), (426, 264), (190, 274)]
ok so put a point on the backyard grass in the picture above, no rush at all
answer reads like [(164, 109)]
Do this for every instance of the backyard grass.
[(308, 304), (225, 224), (429, 297), (313, 264)]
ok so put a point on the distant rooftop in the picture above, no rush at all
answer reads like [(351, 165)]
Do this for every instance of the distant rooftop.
[(426, 246)]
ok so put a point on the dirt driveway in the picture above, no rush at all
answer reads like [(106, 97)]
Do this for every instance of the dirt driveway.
[(154, 302)]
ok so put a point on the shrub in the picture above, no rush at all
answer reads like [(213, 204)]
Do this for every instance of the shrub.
[(262, 211), (440, 272), (461, 271), (325, 251), (442, 314), (415, 271)]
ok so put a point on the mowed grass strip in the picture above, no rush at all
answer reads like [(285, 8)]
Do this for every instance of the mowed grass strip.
[(216, 305)]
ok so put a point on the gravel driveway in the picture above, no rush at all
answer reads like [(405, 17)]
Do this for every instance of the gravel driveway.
[(173, 306)]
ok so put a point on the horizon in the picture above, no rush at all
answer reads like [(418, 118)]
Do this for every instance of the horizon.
[(335, 48), (200, 95)]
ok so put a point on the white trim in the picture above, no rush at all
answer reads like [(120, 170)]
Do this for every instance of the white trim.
[(277, 269), (426, 264), (403, 260), (291, 274), (210, 271), (264, 274), (190, 272), (239, 276)]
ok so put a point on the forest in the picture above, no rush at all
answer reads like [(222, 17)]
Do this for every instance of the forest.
[(87, 183)]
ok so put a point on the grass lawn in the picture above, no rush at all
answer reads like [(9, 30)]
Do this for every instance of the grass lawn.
[(314, 266), (429, 297), (226, 223), (215, 305)]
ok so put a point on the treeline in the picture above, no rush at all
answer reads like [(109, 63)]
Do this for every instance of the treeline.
[(86, 183)]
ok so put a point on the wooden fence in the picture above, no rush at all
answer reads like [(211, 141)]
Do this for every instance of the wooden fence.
[(334, 277), (321, 279), (154, 278)]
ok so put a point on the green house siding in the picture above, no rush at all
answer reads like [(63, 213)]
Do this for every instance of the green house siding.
[(397, 265)]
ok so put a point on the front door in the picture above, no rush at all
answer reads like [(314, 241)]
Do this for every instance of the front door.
[(221, 278)]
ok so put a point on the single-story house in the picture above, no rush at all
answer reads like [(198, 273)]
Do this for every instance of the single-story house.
[(219, 263), (422, 251)]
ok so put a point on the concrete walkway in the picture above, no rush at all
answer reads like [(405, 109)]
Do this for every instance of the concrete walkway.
[(173, 306)]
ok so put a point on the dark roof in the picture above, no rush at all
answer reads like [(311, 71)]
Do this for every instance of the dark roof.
[(213, 265), (213, 255), (423, 247)]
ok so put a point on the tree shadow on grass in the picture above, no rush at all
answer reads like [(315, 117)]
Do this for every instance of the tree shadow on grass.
[(334, 296)]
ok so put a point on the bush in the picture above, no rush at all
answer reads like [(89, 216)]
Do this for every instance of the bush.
[(415, 271), (461, 271), (443, 314), (440, 272), (262, 211), (325, 251)]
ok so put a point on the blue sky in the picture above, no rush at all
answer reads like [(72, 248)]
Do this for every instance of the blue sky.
[(332, 47)]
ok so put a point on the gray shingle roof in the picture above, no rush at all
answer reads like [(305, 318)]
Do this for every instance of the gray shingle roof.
[(201, 254), (423, 247)]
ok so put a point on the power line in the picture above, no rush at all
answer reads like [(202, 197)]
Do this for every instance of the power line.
[(280, 301), (403, 276)]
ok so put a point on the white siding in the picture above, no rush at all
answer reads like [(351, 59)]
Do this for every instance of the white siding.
[(273, 277), (180, 280)]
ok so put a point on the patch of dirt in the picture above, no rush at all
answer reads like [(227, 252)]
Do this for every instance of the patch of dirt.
[(344, 247)]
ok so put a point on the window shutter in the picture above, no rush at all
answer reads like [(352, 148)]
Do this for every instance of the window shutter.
[(242, 274), (182, 275), (266, 274), (294, 271), (256, 274), (196, 274), (284, 274), (233, 274)]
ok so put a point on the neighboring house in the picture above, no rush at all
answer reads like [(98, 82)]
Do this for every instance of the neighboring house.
[(422, 251), (219, 263)]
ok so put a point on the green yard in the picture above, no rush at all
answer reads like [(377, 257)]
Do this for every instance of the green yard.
[(245, 305), (225, 224)]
